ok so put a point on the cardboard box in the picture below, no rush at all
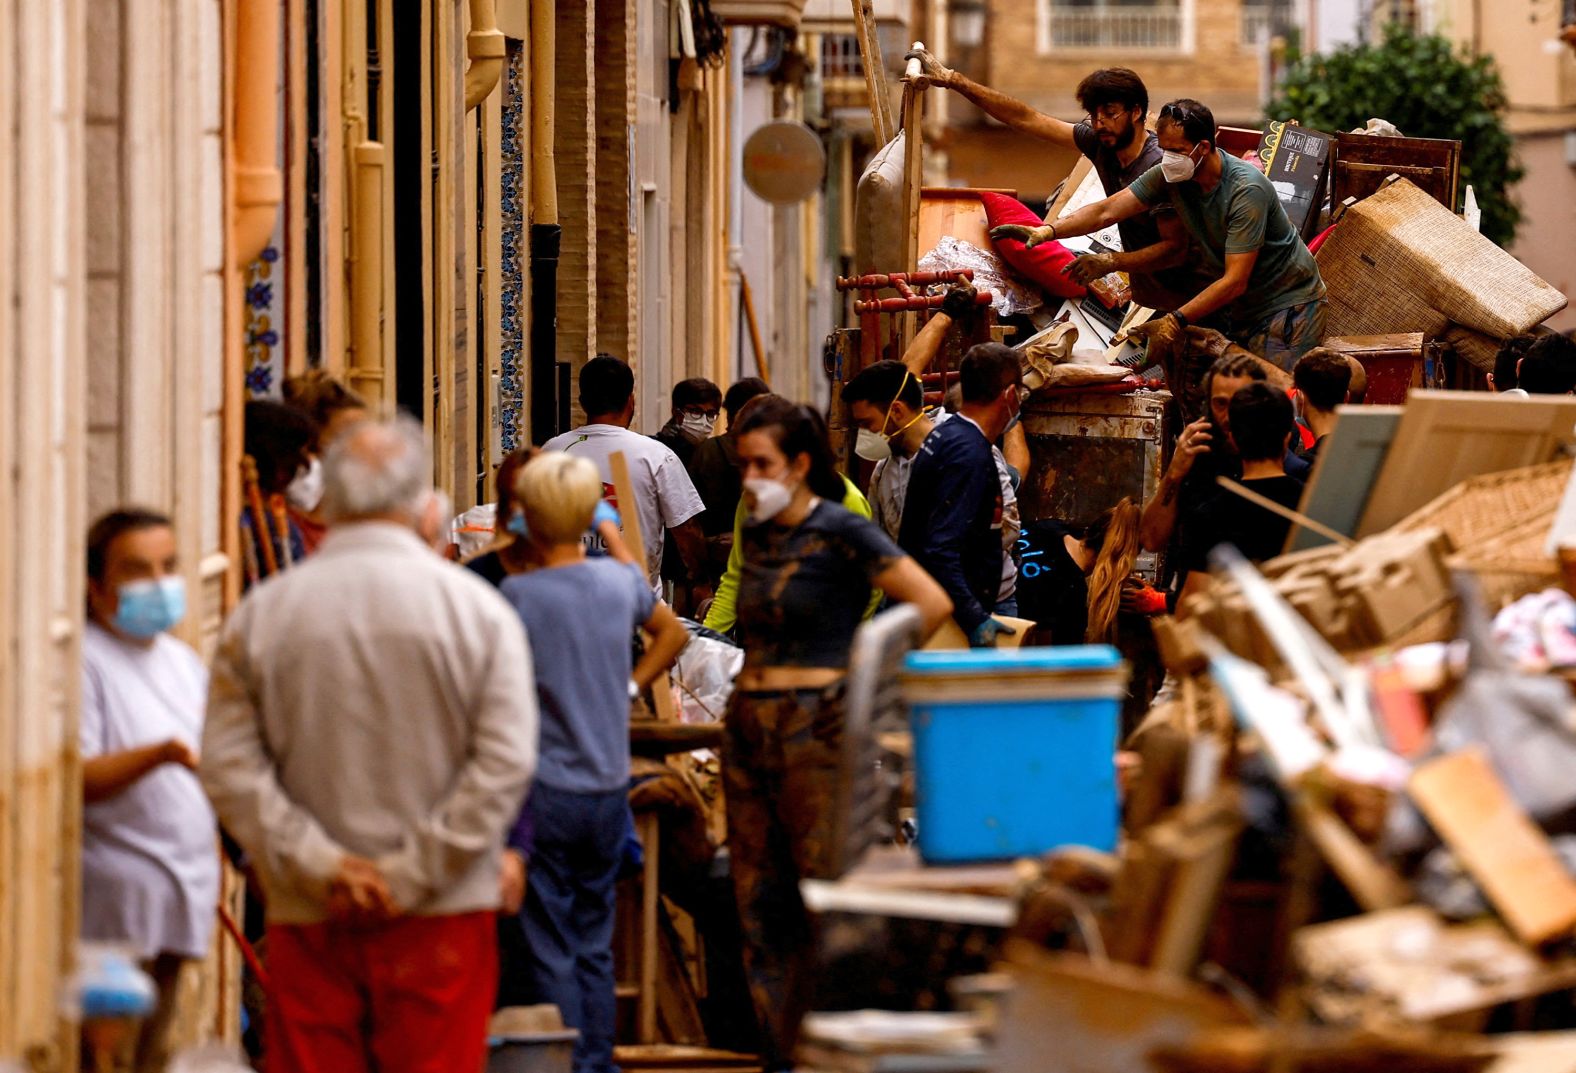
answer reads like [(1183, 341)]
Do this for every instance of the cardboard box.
[(1297, 161)]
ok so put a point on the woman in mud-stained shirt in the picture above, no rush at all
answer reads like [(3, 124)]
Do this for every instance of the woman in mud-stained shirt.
[(807, 574)]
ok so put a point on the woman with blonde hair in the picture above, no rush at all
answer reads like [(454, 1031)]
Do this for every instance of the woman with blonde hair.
[(1070, 578)]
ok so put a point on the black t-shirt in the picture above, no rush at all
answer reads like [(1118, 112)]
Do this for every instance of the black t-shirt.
[(803, 591), (489, 566), (1226, 518), (1052, 590), (1140, 231), (715, 472)]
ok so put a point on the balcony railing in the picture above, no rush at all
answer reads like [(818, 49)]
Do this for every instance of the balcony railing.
[(1133, 28), (840, 59), (1256, 23)]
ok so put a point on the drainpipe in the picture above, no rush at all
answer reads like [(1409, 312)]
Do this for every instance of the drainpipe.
[(256, 186), (365, 371), (546, 234), (484, 45)]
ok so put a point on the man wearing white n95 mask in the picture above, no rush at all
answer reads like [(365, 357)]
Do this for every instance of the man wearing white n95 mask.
[(1269, 290)]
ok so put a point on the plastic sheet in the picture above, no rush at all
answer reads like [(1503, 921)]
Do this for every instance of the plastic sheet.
[(704, 674), (1008, 296)]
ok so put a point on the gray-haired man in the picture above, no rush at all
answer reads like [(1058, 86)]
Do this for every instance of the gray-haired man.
[(371, 733)]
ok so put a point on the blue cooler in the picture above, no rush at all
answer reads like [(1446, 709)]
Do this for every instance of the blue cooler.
[(1015, 749)]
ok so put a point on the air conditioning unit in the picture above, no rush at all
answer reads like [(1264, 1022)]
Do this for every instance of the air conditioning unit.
[(784, 13)]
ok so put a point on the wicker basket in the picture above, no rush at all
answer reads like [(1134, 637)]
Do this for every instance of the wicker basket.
[(1512, 563), (1482, 508), (1402, 262)]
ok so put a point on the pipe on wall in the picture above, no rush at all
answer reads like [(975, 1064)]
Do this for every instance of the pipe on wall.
[(546, 234), (365, 373), (256, 184), (484, 46)]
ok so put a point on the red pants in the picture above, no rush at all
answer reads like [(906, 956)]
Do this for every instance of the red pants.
[(410, 996)]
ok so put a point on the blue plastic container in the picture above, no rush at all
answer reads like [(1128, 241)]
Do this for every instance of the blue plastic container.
[(1015, 750)]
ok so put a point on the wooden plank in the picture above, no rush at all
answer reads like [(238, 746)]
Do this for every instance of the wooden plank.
[(1503, 850), (1373, 884), (1347, 466), (913, 180), (1069, 187), (875, 73), (624, 489), (650, 893), (1444, 437), (1070, 1015)]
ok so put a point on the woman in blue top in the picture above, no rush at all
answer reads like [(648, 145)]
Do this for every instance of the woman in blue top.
[(808, 569), (580, 616)]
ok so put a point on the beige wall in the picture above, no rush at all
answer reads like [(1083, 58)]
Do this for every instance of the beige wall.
[(1548, 228), (1540, 80), (42, 308), (155, 258), (1211, 67), (111, 384)]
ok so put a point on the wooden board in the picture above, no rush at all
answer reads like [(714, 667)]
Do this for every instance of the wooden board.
[(1453, 973), (955, 211), (1347, 466), (624, 488), (1503, 850), (950, 635), (1444, 437), (1069, 1015), (1363, 163)]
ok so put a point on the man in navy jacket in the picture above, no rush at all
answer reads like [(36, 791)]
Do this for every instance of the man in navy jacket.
[(952, 515)]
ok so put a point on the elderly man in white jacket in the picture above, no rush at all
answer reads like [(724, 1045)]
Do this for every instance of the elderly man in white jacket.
[(371, 734)]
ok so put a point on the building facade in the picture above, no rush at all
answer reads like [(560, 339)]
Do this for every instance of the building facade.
[(1216, 51), (452, 205), (1524, 37)]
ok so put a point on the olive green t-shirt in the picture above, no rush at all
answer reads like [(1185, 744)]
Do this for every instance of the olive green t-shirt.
[(1240, 215)]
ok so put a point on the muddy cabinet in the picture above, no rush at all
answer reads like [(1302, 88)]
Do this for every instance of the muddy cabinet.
[(1087, 451)]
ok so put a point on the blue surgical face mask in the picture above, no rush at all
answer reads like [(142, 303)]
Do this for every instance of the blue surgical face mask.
[(517, 525), (146, 609)]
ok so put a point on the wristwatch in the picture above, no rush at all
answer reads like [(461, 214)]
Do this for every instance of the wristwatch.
[(1181, 319)]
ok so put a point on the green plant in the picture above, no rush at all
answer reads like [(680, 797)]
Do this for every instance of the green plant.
[(1426, 88)]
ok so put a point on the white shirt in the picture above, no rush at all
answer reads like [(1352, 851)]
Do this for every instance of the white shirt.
[(665, 497), (889, 488), (150, 854)]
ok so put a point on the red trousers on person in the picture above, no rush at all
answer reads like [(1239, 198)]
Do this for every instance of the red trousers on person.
[(410, 996)]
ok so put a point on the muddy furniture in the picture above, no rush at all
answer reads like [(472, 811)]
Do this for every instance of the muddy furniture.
[(1088, 450)]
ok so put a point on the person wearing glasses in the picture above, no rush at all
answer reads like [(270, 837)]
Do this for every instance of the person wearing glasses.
[(1269, 297), (1112, 135)]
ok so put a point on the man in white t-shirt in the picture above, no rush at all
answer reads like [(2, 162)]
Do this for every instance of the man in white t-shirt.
[(665, 497), (150, 857)]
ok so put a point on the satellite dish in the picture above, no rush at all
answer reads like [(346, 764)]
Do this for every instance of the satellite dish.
[(784, 162)]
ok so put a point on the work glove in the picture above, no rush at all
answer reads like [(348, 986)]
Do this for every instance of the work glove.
[(985, 634), (1029, 236), (1089, 267), (1142, 598), (605, 513), (959, 301), (931, 70), (1163, 335), (1207, 342)]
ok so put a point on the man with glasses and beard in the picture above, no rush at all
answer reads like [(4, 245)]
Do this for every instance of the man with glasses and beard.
[(1113, 136)]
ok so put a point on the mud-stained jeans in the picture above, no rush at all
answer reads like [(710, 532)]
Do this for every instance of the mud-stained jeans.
[(780, 776)]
